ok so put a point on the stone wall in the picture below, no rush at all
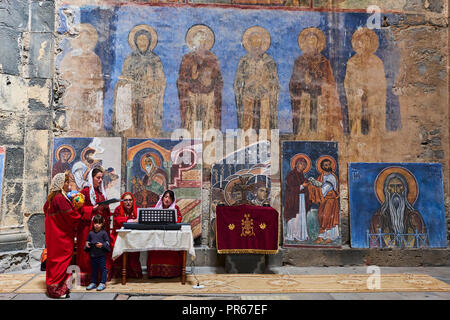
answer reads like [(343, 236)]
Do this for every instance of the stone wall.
[(32, 88)]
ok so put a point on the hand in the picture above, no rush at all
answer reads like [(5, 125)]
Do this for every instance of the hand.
[(95, 207), (87, 245), (99, 245)]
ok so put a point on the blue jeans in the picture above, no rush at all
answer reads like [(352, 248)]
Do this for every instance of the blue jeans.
[(99, 263)]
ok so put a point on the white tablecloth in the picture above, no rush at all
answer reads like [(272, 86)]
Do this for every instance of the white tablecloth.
[(145, 240)]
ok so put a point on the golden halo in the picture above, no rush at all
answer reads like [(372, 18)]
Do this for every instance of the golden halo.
[(298, 156), (65, 146), (373, 44), (152, 155), (139, 27), (209, 41), (83, 153), (263, 33), (227, 191), (321, 42), (321, 159), (413, 189)]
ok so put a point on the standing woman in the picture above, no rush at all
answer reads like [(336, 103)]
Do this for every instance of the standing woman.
[(93, 194), (165, 263), (125, 212), (61, 220)]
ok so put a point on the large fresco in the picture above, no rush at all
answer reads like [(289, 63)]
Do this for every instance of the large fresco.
[(397, 205), (79, 156), (296, 71), (156, 165), (310, 194)]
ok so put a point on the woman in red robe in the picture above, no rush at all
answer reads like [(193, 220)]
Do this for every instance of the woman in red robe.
[(93, 194), (61, 220), (126, 212), (165, 263)]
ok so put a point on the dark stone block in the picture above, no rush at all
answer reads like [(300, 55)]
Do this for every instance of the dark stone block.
[(6, 121), (435, 5), (38, 122), (38, 106), (14, 163), (36, 227), (14, 199), (245, 263), (42, 16), (14, 14), (9, 51)]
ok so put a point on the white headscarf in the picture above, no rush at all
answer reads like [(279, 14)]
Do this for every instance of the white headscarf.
[(159, 205), (58, 183), (92, 190)]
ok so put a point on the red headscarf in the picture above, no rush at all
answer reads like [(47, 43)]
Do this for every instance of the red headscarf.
[(121, 208)]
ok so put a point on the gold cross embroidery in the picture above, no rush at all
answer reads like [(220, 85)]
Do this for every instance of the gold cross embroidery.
[(247, 226)]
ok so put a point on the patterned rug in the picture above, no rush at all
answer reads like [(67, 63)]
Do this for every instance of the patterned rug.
[(249, 284)]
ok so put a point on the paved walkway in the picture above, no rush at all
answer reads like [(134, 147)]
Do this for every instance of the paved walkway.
[(440, 273)]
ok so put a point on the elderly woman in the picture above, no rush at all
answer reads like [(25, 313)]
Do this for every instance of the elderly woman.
[(125, 212), (61, 220), (93, 194)]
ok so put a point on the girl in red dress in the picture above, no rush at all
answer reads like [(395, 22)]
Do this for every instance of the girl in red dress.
[(61, 220), (165, 263), (93, 194), (126, 212)]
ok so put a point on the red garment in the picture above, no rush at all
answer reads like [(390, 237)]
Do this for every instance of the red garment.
[(165, 263), (61, 220), (134, 269), (87, 213)]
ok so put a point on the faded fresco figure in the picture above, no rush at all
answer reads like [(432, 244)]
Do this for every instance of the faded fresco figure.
[(256, 84), (139, 91), (200, 82), (64, 155), (315, 103), (325, 191), (82, 68), (366, 86), (397, 220)]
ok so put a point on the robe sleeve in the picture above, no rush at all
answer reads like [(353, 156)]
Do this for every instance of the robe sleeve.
[(179, 216)]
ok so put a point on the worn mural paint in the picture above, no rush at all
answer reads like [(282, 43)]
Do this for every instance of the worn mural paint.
[(382, 193), (171, 25), (397, 5), (80, 155), (252, 164), (2, 169), (156, 165), (310, 194)]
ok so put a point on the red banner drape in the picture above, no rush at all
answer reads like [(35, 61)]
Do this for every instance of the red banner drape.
[(247, 229)]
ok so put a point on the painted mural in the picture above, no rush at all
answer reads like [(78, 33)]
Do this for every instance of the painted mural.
[(397, 205), (156, 165), (241, 177), (291, 70), (310, 194), (79, 156), (2, 169)]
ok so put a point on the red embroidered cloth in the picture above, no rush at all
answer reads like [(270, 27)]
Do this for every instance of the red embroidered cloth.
[(247, 229)]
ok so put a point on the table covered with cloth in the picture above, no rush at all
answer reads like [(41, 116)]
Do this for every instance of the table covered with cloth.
[(247, 229)]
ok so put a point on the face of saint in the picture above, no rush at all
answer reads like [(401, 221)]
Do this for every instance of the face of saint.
[(326, 166), (300, 165), (128, 202), (142, 42), (148, 165), (262, 193), (98, 226), (97, 179), (167, 200), (311, 44), (89, 156), (255, 42), (199, 40), (65, 155), (396, 186)]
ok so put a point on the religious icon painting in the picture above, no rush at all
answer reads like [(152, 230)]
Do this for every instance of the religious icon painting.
[(242, 177), (79, 156), (397, 205), (157, 165), (2, 169), (310, 194)]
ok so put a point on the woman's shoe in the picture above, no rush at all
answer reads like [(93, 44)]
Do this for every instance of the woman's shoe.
[(101, 287), (91, 286)]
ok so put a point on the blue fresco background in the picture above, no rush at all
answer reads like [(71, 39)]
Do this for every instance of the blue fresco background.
[(171, 24), (364, 203)]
